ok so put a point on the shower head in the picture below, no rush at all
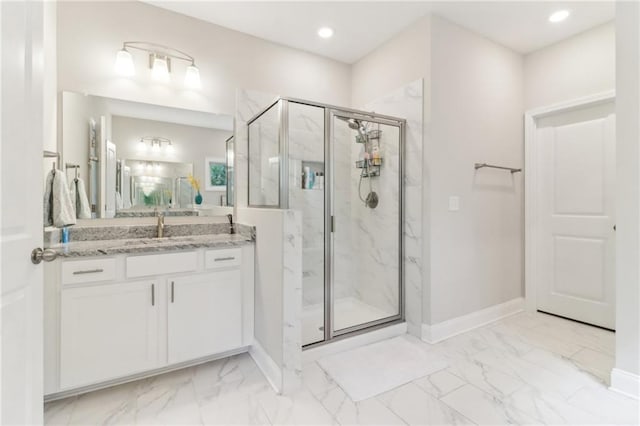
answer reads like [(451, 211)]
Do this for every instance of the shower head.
[(355, 124)]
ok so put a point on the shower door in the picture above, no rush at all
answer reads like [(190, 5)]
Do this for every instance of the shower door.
[(366, 213)]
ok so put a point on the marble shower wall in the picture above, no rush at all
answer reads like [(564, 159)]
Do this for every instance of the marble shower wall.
[(306, 149), (287, 354), (264, 159), (345, 251), (375, 232), (407, 102), (292, 257), (248, 104)]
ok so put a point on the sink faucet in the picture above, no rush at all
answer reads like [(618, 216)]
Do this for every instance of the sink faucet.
[(160, 225), (231, 227)]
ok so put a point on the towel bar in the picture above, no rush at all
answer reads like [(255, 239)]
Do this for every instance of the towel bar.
[(481, 165)]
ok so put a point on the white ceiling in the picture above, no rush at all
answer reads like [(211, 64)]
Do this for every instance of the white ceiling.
[(362, 26)]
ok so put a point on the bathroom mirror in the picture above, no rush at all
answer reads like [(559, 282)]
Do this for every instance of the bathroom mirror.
[(136, 159)]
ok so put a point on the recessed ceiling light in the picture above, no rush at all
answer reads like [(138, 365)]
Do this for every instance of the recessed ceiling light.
[(325, 32), (559, 16)]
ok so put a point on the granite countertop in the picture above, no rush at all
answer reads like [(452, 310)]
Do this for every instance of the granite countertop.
[(149, 245)]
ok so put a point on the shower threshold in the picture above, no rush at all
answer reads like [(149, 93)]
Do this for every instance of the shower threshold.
[(348, 312)]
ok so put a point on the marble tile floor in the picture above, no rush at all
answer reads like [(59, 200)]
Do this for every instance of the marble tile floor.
[(525, 369)]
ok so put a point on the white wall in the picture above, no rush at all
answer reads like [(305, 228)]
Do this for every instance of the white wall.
[(472, 113), (191, 144), (578, 66), (476, 116), (628, 200), (90, 33), (401, 60)]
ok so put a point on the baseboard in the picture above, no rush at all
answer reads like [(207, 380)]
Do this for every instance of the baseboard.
[(267, 365), (625, 383), (106, 384), (438, 332), (373, 336)]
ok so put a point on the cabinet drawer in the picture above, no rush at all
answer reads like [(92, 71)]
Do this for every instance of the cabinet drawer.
[(84, 271), (222, 258), (160, 264)]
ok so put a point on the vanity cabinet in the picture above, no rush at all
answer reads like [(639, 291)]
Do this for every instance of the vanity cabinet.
[(109, 319), (107, 331), (204, 315)]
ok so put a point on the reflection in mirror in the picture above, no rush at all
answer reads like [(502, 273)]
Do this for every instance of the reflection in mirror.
[(230, 157), (136, 159)]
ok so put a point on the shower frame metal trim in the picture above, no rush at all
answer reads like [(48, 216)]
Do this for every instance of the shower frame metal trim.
[(330, 112), (330, 333)]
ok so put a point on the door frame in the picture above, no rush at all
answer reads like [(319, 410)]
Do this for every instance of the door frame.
[(531, 183)]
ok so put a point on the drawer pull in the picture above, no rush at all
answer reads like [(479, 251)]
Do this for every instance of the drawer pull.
[(153, 294), (88, 271), (222, 259), (172, 292)]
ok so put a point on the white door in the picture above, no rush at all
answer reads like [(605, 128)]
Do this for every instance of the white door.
[(205, 315), (111, 166), (575, 158), (108, 331), (21, 130)]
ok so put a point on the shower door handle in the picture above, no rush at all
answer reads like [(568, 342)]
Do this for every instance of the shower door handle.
[(333, 224)]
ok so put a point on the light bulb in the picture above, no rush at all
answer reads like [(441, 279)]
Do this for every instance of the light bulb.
[(160, 70), (192, 77), (124, 63)]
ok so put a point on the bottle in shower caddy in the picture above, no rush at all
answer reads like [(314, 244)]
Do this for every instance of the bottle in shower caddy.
[(376, 159), (319, 181), (309, 178)]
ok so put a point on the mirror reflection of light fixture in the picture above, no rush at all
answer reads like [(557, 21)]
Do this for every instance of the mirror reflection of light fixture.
[(159, 62), (156, 143)]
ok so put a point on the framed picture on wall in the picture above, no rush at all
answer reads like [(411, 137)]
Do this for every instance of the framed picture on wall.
[(215, 169)]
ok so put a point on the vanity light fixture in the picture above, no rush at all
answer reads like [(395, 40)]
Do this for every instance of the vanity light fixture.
[(160, 57), (559, 16), (325, 32)]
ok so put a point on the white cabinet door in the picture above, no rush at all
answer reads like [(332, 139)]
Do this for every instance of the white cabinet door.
[(205, 315), (108, 331)]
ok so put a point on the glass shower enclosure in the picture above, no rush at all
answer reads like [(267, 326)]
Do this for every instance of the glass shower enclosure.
[(342, 169)]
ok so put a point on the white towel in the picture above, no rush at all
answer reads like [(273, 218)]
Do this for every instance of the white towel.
[(58, 208), (48, 186), (79, 199)]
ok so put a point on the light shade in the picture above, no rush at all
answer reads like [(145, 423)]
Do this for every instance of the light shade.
[(192, 77), (559, 16), (124, 63), (160, 70)]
